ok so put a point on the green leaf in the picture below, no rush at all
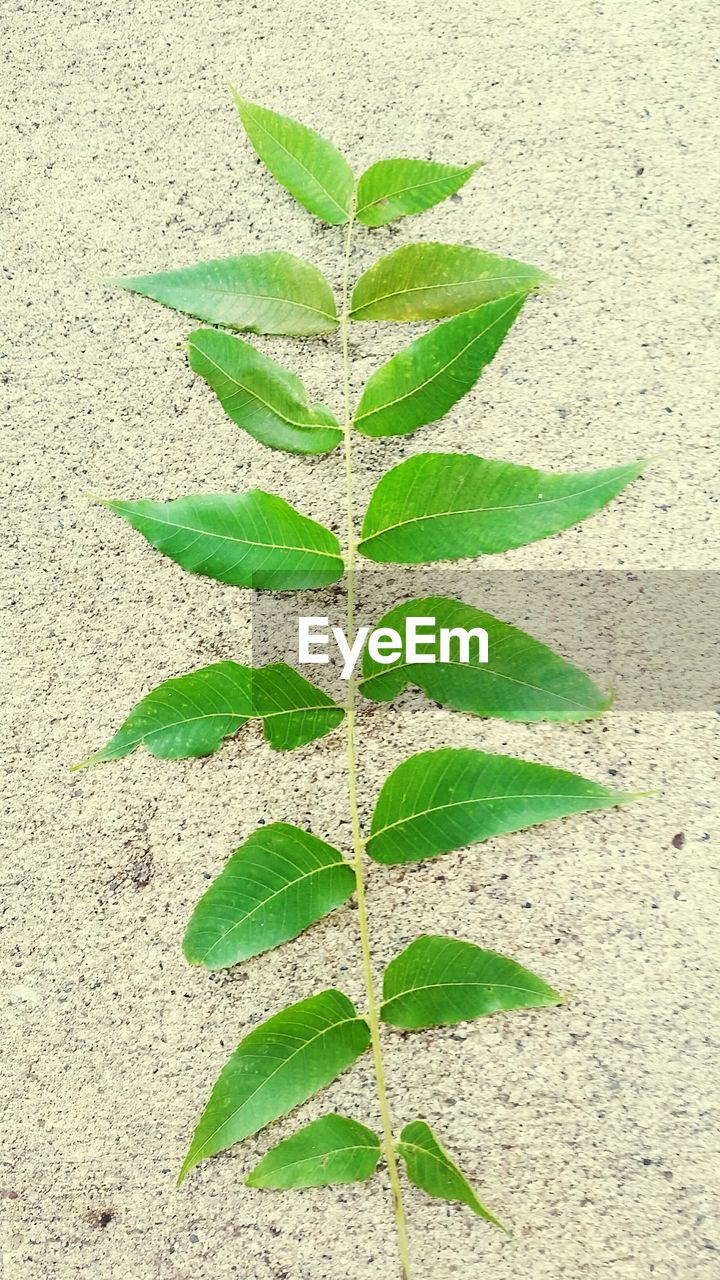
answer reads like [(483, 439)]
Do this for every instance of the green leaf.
[(252, 539), (421, 383), (430, 1168), (308, 166), (429, 281), (442, 800), (260, 396), (254, 292), (276, 1067), (446, 506), (327, 1151), (277, 883), (191, 715), (522, 679), (440, 981), (394, 188)]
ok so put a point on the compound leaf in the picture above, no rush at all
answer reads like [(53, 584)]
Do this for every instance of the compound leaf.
[(429, 281), (191, 715), (260, 396), (521, 680), (440, 981), (430, 1168), (421, 383), (444, 506), (252, 539), (327, 1151), (307, 165), (441, 800), (254, 292), (276, 1067), (278, 882), (394, 188)]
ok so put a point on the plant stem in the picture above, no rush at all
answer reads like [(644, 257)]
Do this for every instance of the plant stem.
[(373, 1019)]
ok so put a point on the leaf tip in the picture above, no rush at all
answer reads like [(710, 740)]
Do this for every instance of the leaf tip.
[(83, 764), (237, 97), (553, 999), (118, 282), (629, 797), (102, 502)]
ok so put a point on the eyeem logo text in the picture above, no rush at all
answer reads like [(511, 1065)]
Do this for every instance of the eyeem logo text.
[(422, 641)]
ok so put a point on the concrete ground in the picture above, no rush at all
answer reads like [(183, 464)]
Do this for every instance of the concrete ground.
[(587, 1129)]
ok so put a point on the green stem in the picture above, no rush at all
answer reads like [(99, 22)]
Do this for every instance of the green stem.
[(373, 1019)]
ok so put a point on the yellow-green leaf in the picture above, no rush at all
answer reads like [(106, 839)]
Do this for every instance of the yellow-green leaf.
[(307, 165), (521, 680), (428, 281), (446, 506), (261, 396), (254, 292), (395, 188), (430, 1168), (327, 1151), (440, 981), (191, 715), (422, 382)]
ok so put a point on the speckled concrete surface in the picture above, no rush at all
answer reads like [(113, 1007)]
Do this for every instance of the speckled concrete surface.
[(589, 1128)]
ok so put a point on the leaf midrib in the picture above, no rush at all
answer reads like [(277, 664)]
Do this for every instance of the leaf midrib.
[(432, 986), (297, 160), (428, 288), (334, 1151), (420, 386), (469, 511), (234, 715), (246, 542), (481, 669), (415, 186), (510, 795), (272, 297)]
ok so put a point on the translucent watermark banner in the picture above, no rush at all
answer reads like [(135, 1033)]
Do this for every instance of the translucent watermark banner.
[(649, 637)]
